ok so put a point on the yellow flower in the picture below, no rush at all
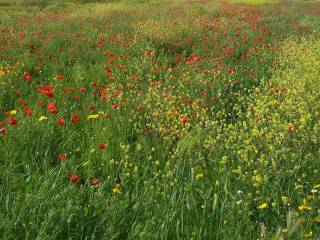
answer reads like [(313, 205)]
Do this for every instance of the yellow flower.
[(311, 197), (317, 219), (116, 189), (316, 186), (139, 146), (93, 116), (304, 207), (42, 118), (13, 112), (263, 206), (199, 176), (308, 235)]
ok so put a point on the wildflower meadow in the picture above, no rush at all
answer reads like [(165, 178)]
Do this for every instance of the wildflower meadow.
[(159, 119)]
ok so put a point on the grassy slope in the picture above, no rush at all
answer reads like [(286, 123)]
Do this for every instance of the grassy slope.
[(223, 174)]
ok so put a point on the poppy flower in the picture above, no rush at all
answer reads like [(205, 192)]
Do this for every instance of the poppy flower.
[(114, 106), (27, 111), (83, 89), (74, 178), (48, 94), (3, 131), (75, 118), (51, 105), (108, 70), (59, 77), (22, 102), (1, 124), (61, 121), (184, 120), (62, 156), (95, 181), (91, 107), (40, 104), (102, 146), (12, 121), (27, 76), (53, 110), (291, 128)]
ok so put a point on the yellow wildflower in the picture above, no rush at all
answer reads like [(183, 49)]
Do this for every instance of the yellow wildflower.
[(263, 206), (42, 118), (308, 235), (311, 197), (92, 116), (317, 219), (13, 112), (316, 186), (304, 206), (139, 146), (116, 189), (199, 176)]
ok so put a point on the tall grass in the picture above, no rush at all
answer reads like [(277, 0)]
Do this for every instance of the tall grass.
[(159, 120)]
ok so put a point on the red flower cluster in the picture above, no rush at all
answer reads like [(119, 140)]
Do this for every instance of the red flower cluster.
[(52, 108)]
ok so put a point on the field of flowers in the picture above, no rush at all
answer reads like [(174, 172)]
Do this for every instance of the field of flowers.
[(184, 119)]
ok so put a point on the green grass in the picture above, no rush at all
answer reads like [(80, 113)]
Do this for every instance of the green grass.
[(159, 120)]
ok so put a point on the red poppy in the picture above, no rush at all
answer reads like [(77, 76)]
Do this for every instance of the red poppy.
[(83, 89), (114, 106), (51, 105), (102, 146), (74, 178), (53, 110), (76, 97), (109, 70), (91, 107), (48, 94), (1, 124), (27, 111), (61, 121), (12, 121), (291, 128), (40, 104), (22, 102), (59, 77), (27, 76), (3, 131), (48, 88), (62, 156), (184, 120), (75, 118), (95, 181)]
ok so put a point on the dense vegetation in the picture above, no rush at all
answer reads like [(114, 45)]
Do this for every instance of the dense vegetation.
[(159, 119)]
